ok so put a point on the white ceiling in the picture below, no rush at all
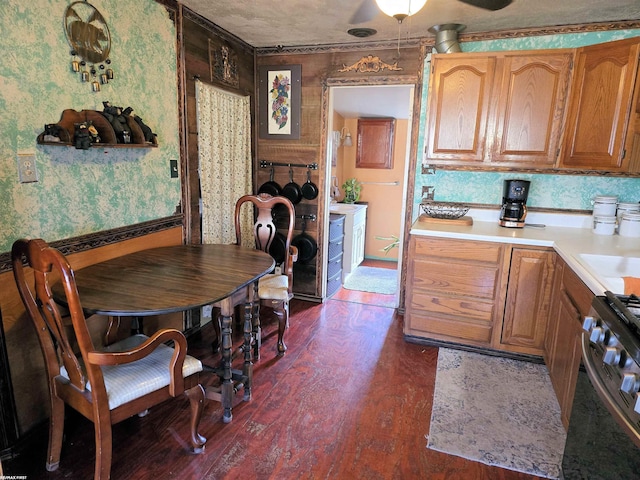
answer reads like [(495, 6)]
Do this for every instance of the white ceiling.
[(265, 23), (373, 101)]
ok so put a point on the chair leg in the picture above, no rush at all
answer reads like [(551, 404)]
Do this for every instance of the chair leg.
[(102, 428), (283, 323), (56, 432), (196, 399)]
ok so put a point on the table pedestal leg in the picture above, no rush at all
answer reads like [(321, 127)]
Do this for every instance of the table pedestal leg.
[(226, 313), (247, 348), (257, 330)]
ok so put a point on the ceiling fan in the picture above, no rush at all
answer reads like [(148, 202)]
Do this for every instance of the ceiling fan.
[(368, 9)]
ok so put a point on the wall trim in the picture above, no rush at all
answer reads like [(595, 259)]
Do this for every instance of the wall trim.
[(103, 238)]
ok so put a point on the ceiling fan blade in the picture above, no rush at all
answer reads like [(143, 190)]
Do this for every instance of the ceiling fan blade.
[(492, 5), (366, 12)]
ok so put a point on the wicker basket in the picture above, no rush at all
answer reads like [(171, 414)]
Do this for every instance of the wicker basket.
[(444, 209)]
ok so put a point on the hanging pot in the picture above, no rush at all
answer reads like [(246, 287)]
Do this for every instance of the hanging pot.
[(270, 187), (309, 189), (292, 190), (306, 244), (278, 248)]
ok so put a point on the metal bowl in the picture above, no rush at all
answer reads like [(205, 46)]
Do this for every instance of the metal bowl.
[(444, 209)]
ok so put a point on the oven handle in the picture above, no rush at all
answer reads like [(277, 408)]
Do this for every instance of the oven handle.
[(600, 389)]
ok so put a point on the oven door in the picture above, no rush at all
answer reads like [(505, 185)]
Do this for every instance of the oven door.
[(601, 442)]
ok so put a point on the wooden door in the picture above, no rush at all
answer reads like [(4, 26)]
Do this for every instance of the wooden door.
[(528, 299), (600, 105), (531, 92), (459, 93), (375, 142)]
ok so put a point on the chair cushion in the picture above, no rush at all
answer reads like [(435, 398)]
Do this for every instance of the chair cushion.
[(273, 287), (136, 379)]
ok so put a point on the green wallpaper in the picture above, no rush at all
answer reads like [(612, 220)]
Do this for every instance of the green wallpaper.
[(548, 191), (80, 191)]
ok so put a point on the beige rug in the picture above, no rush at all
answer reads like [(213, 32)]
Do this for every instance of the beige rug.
[(497, 411)]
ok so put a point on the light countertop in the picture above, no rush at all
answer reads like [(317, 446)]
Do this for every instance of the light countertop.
[(569, 235)]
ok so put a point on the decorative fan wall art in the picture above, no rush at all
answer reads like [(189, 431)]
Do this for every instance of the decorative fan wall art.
[(90, 40)]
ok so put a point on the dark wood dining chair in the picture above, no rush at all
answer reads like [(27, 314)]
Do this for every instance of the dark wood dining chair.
[(105, 386), (275, 289)]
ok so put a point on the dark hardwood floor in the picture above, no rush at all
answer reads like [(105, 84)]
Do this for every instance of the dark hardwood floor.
[(349, 400)]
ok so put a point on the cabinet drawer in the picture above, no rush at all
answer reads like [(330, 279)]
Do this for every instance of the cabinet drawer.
[(336, 226), (336, 247), (451, 328), (458, 250), (334, 283), (476, 280), (462, 307), (334, 265)]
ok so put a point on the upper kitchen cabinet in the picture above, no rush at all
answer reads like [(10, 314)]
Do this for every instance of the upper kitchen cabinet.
[(603, 109), (530, 99), (497, 109), (375, 142), (459, 96)]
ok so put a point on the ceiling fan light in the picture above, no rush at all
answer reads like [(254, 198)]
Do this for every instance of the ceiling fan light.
[(400, 9)]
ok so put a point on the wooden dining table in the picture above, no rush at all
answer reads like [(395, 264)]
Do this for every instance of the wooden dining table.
[(176, 279)]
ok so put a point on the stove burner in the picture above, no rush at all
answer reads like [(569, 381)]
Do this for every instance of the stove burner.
[(627, 308)]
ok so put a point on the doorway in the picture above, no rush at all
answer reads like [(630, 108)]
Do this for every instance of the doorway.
[(384, 190)]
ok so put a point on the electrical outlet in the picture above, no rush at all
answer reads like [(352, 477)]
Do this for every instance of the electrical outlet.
[(173, 165), (27, 172)]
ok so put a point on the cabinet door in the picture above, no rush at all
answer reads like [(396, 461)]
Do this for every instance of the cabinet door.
[(358, 244), (459, 92), (375, 143), (600, 105), (531, 89), (528, 299)]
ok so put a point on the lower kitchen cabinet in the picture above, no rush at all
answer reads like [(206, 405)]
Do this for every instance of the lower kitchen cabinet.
[(562, 350), (528, 300), (483, 294), (455, 289)]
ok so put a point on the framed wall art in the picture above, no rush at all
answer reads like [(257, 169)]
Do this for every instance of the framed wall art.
[(279, 97)]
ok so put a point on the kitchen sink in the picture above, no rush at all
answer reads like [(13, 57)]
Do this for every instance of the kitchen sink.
[(609, 269)]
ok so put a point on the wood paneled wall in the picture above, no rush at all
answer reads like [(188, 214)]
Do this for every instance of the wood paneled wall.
[(320, 70), (197, 34)]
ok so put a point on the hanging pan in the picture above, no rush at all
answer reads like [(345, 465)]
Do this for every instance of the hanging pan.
[(307, 246), (270, 187), (292, 190), (278, 248), (309, 189)]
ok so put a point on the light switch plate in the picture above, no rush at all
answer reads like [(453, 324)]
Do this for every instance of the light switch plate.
[(27, 172), (173, 165)]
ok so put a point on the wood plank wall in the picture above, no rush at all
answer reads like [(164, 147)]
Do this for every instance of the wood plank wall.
[(321, 69)]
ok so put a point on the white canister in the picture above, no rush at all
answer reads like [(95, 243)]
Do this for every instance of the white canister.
[(604, 225), (630, 225), (627, 208), (605, 205)]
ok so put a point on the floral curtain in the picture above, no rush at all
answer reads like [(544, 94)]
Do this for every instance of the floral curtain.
[(224, 146)]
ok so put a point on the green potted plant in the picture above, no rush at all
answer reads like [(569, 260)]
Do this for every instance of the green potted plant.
[(352, 190)]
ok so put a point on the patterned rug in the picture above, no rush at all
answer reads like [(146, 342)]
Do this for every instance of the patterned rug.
[(372, 279), (497, 411)]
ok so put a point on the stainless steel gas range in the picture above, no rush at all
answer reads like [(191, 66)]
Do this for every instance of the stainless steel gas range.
[(603, 441)]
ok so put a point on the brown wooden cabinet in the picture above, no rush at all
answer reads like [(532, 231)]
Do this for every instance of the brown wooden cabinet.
[(375, 142), (497, 109), (530, 99), (528, 300), (562, 351), (455, 289), (459, 98), (602, 107)]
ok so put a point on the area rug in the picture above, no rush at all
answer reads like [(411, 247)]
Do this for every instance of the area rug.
[(497, 411), (372, 279)]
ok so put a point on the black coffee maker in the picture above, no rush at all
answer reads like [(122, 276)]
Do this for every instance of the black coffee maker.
[(514, 203)]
